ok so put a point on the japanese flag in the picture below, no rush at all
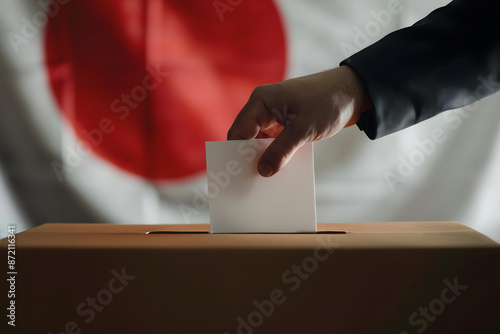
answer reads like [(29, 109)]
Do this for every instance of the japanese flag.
[(106, 106)]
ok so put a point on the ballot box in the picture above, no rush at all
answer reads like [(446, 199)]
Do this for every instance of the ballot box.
[(401, 277)]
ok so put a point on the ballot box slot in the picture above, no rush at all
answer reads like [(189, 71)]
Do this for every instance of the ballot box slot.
[(207, 232), (178, 232), (331, 232)]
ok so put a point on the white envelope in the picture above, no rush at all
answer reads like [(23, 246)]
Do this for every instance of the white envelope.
[(242, 201)]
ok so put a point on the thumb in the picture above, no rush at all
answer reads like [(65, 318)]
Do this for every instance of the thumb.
[(279, 152)]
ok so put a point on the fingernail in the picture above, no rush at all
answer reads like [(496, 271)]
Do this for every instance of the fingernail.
[(265, 170)]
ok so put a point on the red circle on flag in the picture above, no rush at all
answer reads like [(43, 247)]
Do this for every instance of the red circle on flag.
[(146, 83)]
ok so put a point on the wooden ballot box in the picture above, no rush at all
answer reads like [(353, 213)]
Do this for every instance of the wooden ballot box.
[(406, 277)]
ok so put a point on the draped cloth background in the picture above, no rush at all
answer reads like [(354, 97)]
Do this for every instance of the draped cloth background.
[(105, 108)]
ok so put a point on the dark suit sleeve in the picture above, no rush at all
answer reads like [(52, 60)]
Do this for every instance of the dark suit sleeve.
[(449, 59)]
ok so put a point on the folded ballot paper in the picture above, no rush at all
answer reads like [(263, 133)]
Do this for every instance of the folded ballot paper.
[(242, 201)]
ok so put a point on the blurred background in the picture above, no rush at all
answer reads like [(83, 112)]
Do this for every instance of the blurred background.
[(105, 107)]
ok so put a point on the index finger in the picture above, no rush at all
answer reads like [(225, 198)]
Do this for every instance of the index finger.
[(253, 118)]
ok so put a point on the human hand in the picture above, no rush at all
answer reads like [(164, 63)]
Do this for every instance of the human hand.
[(300, 110)]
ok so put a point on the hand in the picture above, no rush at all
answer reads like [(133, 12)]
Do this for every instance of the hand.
[(298, 111)]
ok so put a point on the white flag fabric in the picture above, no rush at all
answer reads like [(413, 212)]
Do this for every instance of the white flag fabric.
[(105, 108)]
